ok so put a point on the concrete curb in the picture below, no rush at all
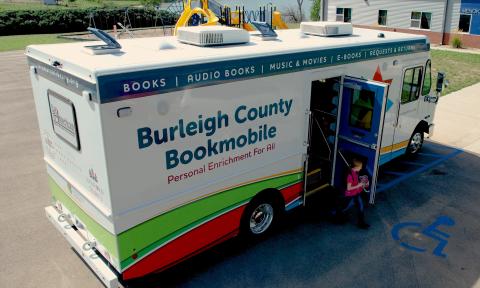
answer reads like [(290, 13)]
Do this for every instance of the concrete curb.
[(460, 50)]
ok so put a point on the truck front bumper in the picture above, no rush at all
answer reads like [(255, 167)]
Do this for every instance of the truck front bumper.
[(82, 247)]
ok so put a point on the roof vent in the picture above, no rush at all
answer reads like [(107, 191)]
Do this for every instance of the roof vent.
[(326, 28), (212, 35), (110, 45)]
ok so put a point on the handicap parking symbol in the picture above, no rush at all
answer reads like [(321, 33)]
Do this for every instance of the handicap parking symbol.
[(432, 231)]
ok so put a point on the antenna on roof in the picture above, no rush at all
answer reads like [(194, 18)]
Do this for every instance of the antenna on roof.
[(110, 46)]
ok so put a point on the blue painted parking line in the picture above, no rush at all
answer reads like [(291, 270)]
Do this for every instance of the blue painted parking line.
[(438, 146), (412, 163), (394, 173), (421, 168), (431, 155)]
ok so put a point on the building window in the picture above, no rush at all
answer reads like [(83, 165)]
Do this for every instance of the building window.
[(464, 23), (382, 17), (421, 20), (344, 15), (411, 84)]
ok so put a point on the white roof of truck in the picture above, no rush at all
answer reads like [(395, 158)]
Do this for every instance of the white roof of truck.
[(144, 53)]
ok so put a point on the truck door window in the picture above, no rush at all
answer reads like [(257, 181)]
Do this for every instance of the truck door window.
[(427, 81), (411, 84), (361, 109)]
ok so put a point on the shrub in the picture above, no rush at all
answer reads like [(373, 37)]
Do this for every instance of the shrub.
[(76, 20), (316, 8), (457, 42)]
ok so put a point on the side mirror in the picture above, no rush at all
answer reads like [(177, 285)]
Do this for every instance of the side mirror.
[(440, 81)]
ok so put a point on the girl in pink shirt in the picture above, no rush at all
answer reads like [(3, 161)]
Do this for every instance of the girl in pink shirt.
[(355, 186)]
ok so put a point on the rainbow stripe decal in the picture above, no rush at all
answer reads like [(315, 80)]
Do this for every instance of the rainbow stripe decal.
[(183, 231)]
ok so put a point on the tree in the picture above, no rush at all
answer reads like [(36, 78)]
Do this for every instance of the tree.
[(316, 9), (152, 2), (293, 14)]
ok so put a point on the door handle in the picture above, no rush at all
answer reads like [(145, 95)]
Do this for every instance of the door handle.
[(360, 143), (358, 135)]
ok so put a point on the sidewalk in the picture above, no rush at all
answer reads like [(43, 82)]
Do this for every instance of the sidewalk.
[(457, 119), (451, 49)]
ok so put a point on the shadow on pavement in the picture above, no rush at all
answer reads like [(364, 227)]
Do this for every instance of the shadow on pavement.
[(308, 251)]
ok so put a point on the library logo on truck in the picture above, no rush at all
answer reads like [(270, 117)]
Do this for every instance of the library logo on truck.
[(63, 119)]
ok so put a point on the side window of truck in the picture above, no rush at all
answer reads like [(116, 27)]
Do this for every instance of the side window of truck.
[(361, 109), (411, 84), (427, 80)]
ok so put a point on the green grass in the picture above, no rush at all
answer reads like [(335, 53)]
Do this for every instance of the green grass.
[(19, 42), (4, 6), (293, 25), (463, 69)]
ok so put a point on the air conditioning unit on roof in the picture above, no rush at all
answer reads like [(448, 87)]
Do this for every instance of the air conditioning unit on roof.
[(326, 28), (212, 35)]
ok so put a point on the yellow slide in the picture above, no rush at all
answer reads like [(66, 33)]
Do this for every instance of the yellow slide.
[(188, 12), (277, 21), (212, 18), (248, 26)]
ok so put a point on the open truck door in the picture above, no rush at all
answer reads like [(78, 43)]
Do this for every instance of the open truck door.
[(360, 129)]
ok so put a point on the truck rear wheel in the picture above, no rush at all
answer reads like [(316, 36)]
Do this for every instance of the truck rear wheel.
[(415, 143), (260, 217)]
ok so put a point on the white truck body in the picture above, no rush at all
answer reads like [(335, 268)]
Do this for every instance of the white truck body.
[(132, 138)]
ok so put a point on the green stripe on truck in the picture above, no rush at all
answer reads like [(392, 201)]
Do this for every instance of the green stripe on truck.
[(107, 239), (149, 235), (146, 237), (156, 245)]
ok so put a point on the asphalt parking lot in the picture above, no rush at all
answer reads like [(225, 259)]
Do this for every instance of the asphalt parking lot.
[(439, 192)]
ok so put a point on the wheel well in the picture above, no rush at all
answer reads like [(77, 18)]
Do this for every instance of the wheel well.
[(422, 126), (273, 194)]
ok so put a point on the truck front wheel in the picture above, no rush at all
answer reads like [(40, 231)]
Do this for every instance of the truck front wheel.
[(415, 143)]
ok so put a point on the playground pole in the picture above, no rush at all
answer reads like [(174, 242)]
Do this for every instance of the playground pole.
[(243, 17)]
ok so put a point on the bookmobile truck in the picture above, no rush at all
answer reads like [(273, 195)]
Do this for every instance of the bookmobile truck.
[(159, 148)]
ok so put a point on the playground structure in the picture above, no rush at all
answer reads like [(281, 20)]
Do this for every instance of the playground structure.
[(192, 15), (168, 17), (241, 18), (206, 15)]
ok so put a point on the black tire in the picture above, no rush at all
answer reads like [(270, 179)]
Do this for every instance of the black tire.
[(260, 217), (415, 143)]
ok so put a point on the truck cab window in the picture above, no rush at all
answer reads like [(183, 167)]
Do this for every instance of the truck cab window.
[(411, 84), (427, 81), (361, 110)]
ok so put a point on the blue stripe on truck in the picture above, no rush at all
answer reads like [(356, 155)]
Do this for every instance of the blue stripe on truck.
[(121, 86)]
